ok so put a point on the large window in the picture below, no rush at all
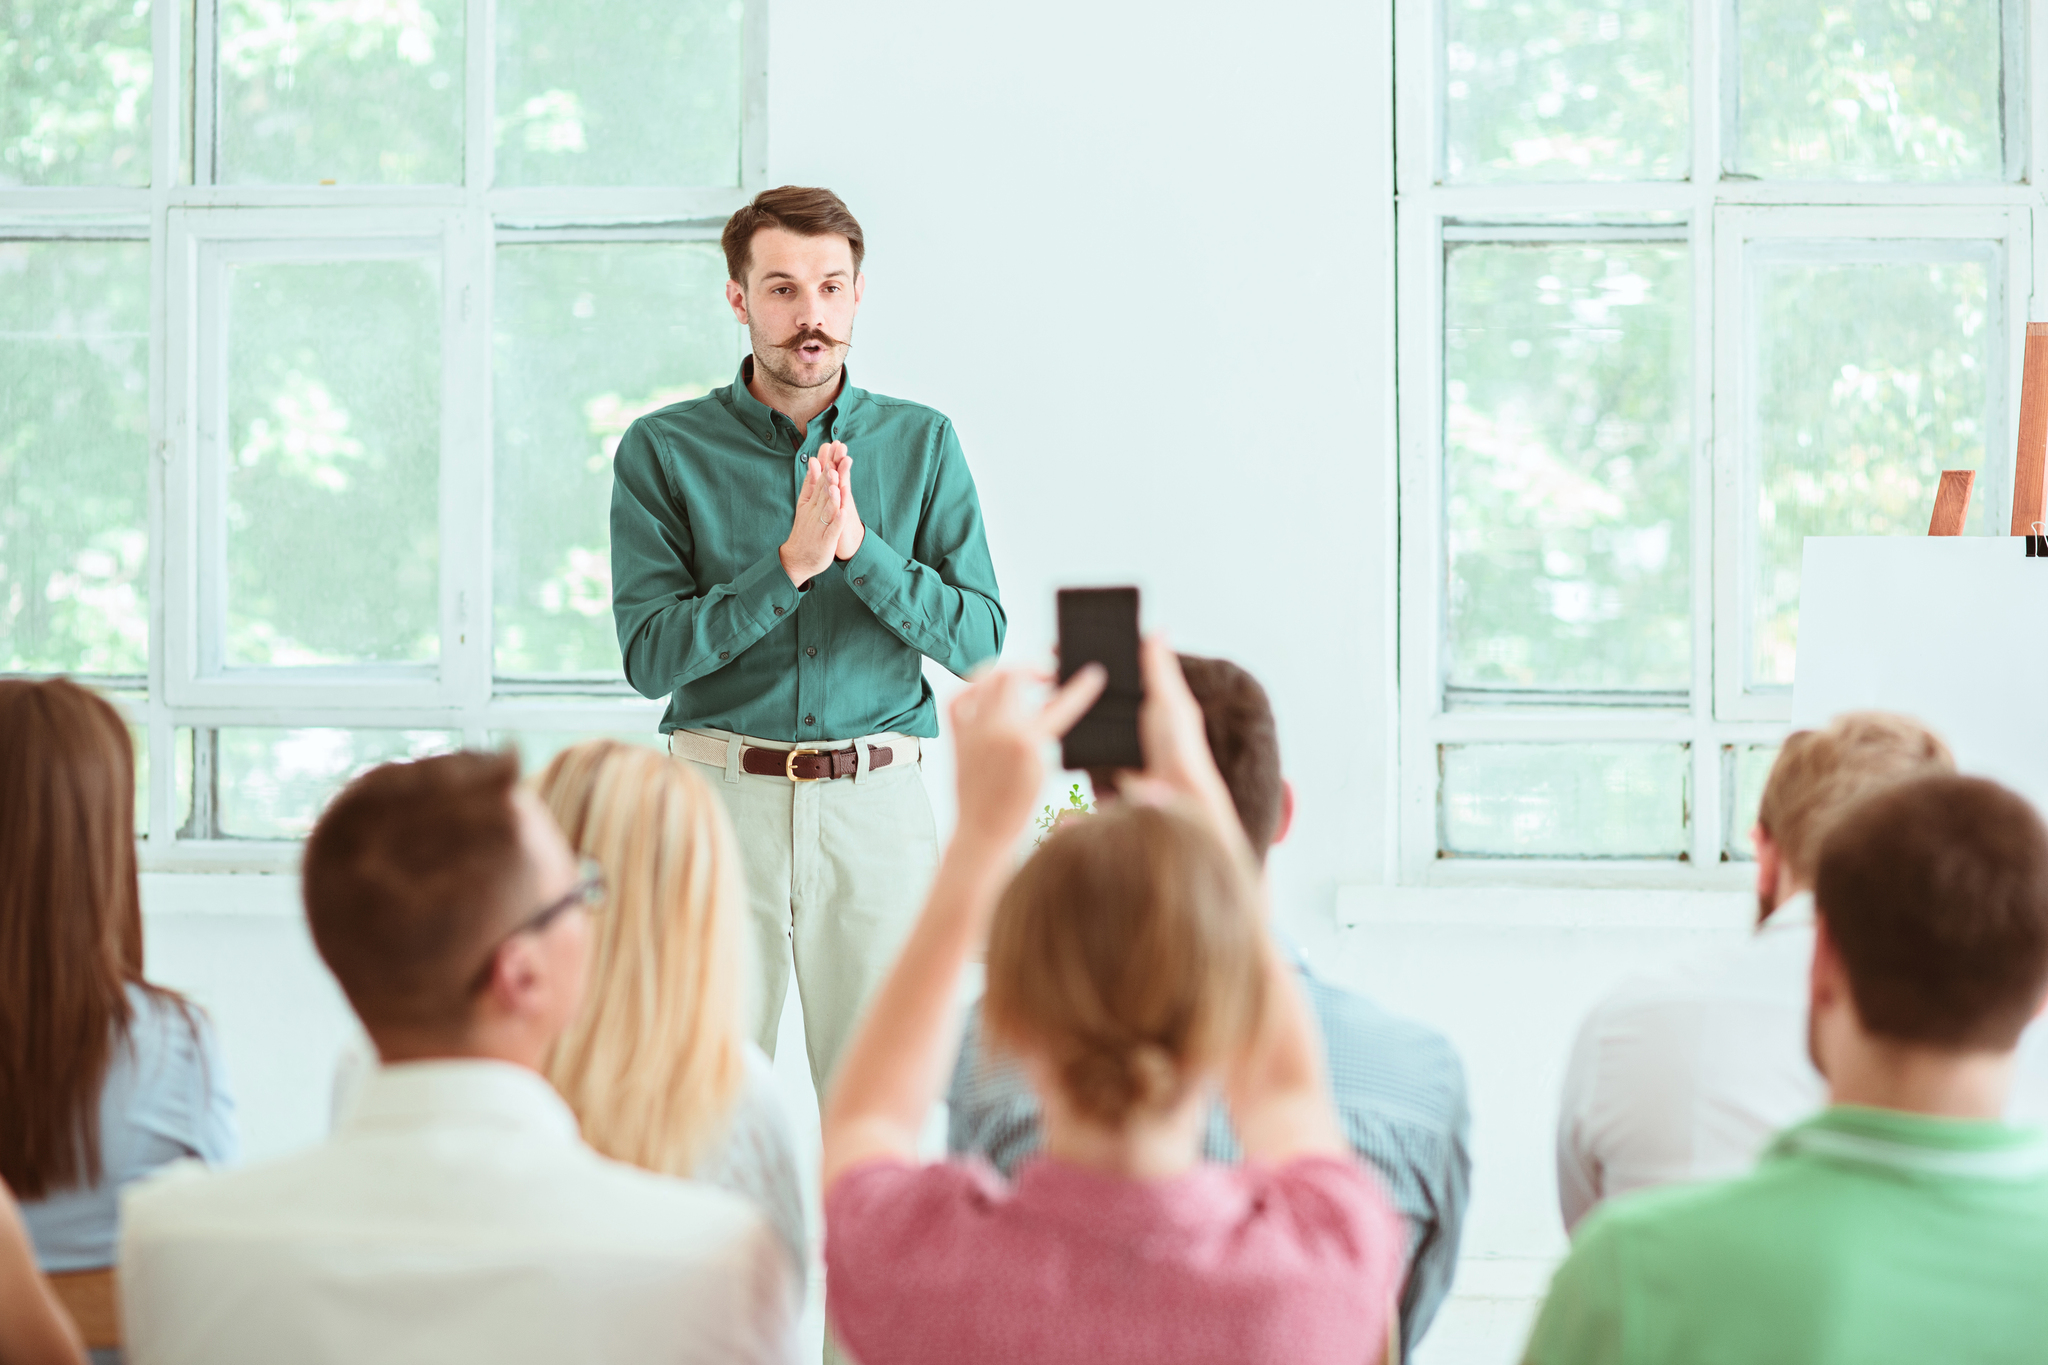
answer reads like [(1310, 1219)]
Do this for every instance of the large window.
[(1679, 285), (320, 323)]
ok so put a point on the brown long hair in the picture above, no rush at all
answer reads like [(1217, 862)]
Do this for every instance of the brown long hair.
[(70, 926), (653, 1064)]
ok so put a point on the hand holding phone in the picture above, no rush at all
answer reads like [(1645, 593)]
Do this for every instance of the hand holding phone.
[(1100, 625)]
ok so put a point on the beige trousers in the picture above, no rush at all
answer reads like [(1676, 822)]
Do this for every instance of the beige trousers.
[(836, 872)]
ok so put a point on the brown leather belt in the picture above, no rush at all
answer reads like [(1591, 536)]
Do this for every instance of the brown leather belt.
[(812, 765)]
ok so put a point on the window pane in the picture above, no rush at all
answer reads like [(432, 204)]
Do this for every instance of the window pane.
[(1565, 800), (360, 92), (333, 486), (537, 748), (74, 104), (274, 783), (1566, 470), (1745, 768), (588, 338), (1565, 90), (1870, 380), (1871, 90), (74, 452), (591, 92)]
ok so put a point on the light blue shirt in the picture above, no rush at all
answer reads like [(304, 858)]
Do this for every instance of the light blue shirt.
[(165, 1098), (1400, 1093)]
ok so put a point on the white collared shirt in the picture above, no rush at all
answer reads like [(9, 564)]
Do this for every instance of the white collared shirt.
[(455, 1215), (1687, 1072)]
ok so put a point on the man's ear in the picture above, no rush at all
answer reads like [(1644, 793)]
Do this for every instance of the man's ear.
[(1286, 811), (1828, 979), (860, 286), (517, 977), (736, 299)]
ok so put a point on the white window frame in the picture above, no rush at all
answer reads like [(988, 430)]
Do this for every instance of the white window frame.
[(191, 224), (1715, 215)]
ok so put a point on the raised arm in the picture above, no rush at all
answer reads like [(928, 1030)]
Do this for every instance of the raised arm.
[(673, 629), (33, 1329), (937, 595), (895, 1066)]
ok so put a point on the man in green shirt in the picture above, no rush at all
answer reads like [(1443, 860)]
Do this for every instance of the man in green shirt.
[(786, 553), (1906, 1222)]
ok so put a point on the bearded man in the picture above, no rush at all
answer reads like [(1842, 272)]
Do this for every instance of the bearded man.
[(786, 553)]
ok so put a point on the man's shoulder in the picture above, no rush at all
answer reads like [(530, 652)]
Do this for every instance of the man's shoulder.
[(902, 417), (686, 417), (1376, 1054)]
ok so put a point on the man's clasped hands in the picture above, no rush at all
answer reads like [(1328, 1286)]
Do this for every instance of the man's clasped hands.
[(827, 525)]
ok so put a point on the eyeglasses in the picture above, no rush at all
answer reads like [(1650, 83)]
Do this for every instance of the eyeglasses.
[(587, 892)]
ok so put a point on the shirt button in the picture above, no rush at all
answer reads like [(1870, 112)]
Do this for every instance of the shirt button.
[(809, 720), (778, 611), (906, 625), (860, 580), (724, 654), (810, 651)]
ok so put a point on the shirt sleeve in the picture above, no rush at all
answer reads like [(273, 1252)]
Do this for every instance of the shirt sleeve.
[(894, 1232), (941, 598), (1578, 1166), (673, 629), (1447, 1183), (217, 1140), (1338, 1213), (1582, 1321)]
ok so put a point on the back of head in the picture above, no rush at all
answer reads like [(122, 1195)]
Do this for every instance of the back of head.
[(1127, 954), (410, 876), (1935, 895), (70, 925), (804, 210), (653, 1062), (1820, 774), (1244, 739)]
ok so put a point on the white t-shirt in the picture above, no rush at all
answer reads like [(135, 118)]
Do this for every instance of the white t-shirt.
[(454, 1215), (1687, 1072)]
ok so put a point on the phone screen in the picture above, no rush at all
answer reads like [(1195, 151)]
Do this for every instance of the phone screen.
[(1100, 625)]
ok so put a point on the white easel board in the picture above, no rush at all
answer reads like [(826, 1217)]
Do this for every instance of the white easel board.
[(1952, 630)]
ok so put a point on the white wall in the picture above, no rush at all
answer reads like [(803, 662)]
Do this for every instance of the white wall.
[(1142, 254)]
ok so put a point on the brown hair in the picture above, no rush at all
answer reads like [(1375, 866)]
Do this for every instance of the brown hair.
[(805, 211), (1128, 951), (1237, 720), (70, 926), (1819, 774), (654, 1061), (408, 880), (1935, 894)]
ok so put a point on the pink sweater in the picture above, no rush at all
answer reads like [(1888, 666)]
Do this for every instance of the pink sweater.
[(1241, 1264)]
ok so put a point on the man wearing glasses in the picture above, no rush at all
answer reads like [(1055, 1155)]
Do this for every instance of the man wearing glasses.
[(456, 1213), (787, 551)]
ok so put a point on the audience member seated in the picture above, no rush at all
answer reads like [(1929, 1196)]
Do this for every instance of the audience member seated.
[(1129, 968), (33, 1328), (1907, 1222), (103, 1076), (1399, 1088), (455, 1214), (1685, 1073), (659, 1066)]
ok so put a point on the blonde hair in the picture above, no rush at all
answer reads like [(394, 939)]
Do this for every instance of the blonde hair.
[(1129, 953), (1819, 774), (653, 1063)]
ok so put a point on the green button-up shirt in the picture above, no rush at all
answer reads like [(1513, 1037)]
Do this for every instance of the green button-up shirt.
[(703, 494)]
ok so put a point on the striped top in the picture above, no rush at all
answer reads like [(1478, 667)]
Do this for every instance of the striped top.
[(1400, 1093)]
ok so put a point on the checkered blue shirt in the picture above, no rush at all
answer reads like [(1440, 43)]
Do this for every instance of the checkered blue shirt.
[(1400, 1093)]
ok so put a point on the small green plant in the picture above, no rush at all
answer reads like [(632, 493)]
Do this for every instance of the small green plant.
[(1049, 818)]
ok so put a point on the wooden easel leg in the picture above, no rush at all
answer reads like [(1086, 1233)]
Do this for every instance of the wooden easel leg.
[(2030, 472)]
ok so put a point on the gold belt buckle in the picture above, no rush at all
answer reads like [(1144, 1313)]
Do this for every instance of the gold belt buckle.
[(789, 765)]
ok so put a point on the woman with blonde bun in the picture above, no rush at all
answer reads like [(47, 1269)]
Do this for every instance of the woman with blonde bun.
[(658, 1067), (1131, 973)]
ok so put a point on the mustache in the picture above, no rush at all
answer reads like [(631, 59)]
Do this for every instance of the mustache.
[(808, 334)]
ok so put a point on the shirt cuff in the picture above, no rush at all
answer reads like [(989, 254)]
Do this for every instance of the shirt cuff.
[(883, 578), (763, 591)]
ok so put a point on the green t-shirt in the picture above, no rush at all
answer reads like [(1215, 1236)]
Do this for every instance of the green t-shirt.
[(1864, 1236)]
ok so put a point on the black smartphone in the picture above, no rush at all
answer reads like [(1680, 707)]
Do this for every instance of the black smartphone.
[(1100, 626)]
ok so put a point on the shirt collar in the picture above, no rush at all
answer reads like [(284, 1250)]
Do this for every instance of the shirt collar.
[(1795, 913), (462, 1091), (759, 418), (1919, 1144)]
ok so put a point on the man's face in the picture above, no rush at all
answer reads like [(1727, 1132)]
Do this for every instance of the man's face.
[(798, 304), (562, 948)]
